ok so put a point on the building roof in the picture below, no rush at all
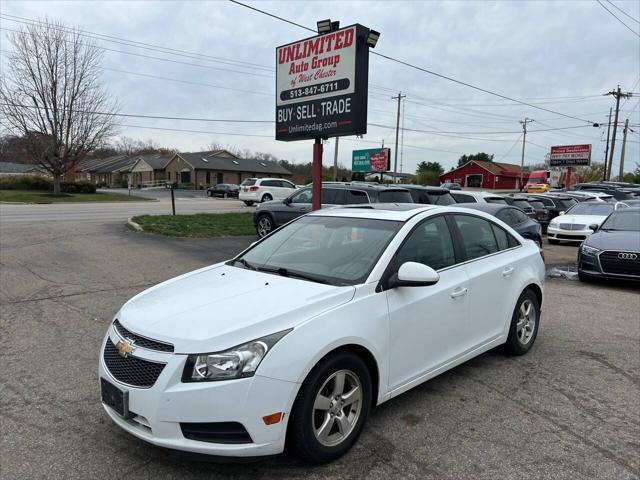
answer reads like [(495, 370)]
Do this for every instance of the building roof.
[(10, 167), (120, 164), (156, 161), (496, 168), (225, 161)]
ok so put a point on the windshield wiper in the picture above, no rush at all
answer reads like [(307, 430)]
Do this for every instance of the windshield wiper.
[(283, 272), (245, 264)]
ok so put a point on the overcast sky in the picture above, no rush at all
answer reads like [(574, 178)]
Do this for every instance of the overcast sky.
[(537, 51)]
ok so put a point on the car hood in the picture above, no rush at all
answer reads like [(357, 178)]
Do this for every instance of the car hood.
[(610, 240), (219, 307), (581, 219)]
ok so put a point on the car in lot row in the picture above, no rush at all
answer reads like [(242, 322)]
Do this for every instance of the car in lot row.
[(270, 215), (522, 203), (613, 251), (619, 192), (555, 203), (469, 196), (224, 190), (258, 190), (580, 221), (337, 312), (427, 195)]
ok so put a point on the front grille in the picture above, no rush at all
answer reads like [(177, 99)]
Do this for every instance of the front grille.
[(610, 263), (142, 342), (220, 432), (133, 371), (570, 237), (572, 226)]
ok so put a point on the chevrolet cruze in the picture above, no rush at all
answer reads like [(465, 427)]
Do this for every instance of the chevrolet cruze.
[(293, 341)]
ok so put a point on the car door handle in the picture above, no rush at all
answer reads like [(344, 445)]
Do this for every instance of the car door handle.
[(507, 271), (458, 292)]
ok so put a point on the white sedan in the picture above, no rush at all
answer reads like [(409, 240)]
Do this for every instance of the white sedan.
[(580, 221), (299, 336)]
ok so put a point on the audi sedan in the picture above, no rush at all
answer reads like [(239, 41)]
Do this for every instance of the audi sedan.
[(613, 251), (293, 341)]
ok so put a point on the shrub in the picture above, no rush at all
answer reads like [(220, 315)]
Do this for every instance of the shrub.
[(81, 186), (26, 182), (186, 186)]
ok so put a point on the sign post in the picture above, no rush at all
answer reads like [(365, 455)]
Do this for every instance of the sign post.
[(570, 156), (322, 88)]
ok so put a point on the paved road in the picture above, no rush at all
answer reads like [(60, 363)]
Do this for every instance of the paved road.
[(567, 410), (113, 212)]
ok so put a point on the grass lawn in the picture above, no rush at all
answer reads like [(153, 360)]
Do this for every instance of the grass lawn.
[(198, 225), (45, 197)]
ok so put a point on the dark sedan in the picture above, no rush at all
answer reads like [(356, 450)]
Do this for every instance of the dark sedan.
[(613, 251), (512, 216), (224, 190), (430, 195)]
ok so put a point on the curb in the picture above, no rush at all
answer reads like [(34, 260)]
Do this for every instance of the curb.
[(133, 225)]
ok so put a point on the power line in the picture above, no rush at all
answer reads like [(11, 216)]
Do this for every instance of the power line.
[(622, 11), (193, 131), (616, 17)]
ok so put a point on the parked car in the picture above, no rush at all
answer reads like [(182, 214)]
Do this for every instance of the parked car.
[(614, 190), (270, 215), (540, 212), (258, 190), (512, 216), (337, 312), (554, 202), (468, 196), (451, 185), (613, 251), (429, 195), (224, 190), (522, 203), (579, 221), (635, 203), (587, 195)]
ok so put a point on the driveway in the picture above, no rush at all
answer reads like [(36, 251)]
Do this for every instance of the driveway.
[(567, 410)]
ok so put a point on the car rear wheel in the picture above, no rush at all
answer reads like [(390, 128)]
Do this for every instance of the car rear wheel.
[(264, 225), (331, 408), (266, 198), (524, 324), (248, 203)]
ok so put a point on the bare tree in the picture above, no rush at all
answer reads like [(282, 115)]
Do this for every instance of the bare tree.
[(51, 95)]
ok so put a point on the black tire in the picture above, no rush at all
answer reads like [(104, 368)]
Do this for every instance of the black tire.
[(248, 203), (515, 345), (553, 241), (583, 277), (266, 198), (264, 225), (301, 438)]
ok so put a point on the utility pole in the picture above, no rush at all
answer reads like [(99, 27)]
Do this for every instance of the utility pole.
[(524, 141), (618, 94), (606, 150), (335, 161), (624, 144), (402, 138), (395, 153)]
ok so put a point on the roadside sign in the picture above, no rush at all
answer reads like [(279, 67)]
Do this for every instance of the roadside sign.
[(322, 85), (371, 160), (570, 156)]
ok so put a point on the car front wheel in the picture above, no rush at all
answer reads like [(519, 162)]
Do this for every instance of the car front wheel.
[(524, 324), (264, 225), (266, 198), (331, 408)]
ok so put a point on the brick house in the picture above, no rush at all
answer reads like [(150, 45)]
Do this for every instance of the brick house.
[(486, 175), (149, 167)]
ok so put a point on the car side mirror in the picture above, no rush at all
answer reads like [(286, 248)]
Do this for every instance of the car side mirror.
[(593, 227), (561, 213), (413, 274), (287, 201)]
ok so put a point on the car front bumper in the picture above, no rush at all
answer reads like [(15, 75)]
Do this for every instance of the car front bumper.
[(590, 265), (156, 413), (555, 233)]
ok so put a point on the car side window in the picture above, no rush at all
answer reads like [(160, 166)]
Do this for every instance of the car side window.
[(356, 197), (477, 236), (502, 237), (547, 201), (430, 244), (287, 184), (462, 198), (332, 196), (303, 196), (520, 216), (507, 216)]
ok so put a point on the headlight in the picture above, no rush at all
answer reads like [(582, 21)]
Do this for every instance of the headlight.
[(587, 250), (237, 362)]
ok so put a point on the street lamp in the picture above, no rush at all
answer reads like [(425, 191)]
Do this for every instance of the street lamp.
[(372, 38), (324, 26)]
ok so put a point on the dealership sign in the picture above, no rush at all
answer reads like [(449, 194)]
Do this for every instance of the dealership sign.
[(371, 160), (321, 85), (570, 155)]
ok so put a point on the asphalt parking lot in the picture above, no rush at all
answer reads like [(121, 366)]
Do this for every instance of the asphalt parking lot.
[(568, 410)]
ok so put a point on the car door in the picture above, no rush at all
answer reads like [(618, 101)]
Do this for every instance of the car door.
[(426, 324), (299, 203), (490, 265)]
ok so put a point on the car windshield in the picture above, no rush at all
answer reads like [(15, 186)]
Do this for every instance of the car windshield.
[(332, 250), (441, 198), (567, 203), (538, 205), (395, 196), (628, 221), (248, 182), (522, 204), (499, 200), (599, 208)]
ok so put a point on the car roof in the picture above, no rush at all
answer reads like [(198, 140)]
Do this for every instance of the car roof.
[(478, 193), (362, 185), (382, 211), (427, 188), (491, 208)]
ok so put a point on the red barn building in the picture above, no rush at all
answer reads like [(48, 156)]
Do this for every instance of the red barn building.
[(486, 175)]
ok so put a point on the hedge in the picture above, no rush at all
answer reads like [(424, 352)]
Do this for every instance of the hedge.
[(39, 183)]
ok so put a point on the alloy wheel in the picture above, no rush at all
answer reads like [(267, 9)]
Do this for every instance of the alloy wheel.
[(526, 325), (264, 226), (337, 407)]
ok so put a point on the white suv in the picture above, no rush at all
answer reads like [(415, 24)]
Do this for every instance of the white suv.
[(467, 196), (254, 190)]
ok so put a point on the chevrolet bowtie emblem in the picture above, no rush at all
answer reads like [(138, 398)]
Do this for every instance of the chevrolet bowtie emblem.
[(125, 348)]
